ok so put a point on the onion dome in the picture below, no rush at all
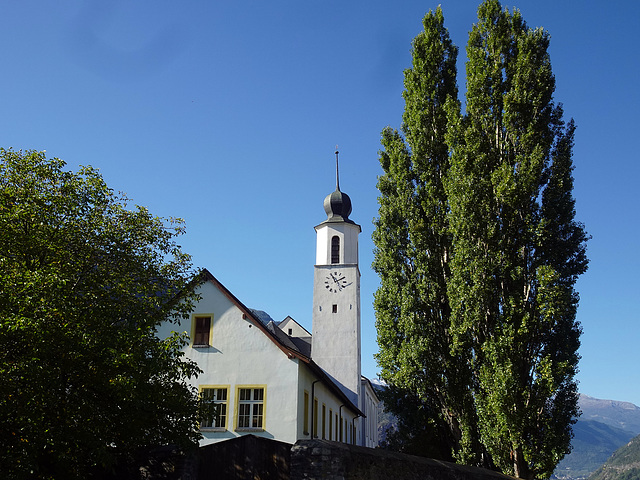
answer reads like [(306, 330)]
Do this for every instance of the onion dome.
[(337, 205)]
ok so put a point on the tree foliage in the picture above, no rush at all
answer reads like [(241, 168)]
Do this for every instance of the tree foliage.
[(478, 249), (413, 249), (84, 282)]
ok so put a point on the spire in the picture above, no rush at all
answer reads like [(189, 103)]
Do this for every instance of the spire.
[(337, 205), (337, 174)]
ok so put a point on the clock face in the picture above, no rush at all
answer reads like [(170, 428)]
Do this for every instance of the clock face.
[(336, 282)]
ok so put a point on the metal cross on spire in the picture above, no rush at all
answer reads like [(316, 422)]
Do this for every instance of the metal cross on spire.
[(337, 175)]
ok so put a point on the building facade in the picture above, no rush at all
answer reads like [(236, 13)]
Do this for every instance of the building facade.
[(275, 379)]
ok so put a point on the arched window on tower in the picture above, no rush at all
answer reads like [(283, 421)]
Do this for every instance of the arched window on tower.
[(335, 249)]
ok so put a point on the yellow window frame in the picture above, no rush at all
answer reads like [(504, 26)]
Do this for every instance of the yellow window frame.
[(237, 409), (305, 421), (324, 421), (225, 427), (315, 417), (192, 337)]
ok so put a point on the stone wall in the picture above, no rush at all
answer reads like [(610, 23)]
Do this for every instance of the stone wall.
[(321, 459)]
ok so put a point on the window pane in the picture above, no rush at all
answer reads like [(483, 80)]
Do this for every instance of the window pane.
[(207, 394), (335, 249), (203, 327), (244, 415), (257, 416), (222, 394), (216, 416), (221, 421)]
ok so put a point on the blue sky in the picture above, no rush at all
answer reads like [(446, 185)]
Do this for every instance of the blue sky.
[(227, 114)]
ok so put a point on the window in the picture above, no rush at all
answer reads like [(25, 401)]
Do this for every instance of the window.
[(330, 424), (251, 408), (315, 417), (306, 414), (201, 330), (335, 249), (216, 416), (324, 421), (334, 308)]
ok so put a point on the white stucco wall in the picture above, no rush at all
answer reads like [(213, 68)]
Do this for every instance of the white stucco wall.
[(369, 405), (348, 234), (333, 406), (241, 354), (336, 336)]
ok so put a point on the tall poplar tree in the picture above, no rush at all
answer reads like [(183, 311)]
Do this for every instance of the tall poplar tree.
[(505, 332), (413, 246)]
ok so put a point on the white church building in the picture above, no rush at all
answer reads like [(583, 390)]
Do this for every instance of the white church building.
[(275, 379)]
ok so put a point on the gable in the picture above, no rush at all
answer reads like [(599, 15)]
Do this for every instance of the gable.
[(214, 293), (242, 346), (293, 328), (293, 347), (234, 327)]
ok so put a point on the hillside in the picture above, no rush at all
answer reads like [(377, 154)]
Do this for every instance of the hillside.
[(593, 443), (623, 465), (605, 426)]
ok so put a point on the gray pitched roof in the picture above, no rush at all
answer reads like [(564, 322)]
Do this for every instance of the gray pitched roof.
[(303, 344), (299, 344), (263, 316)]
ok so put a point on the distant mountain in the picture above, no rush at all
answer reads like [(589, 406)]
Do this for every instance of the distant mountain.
[(593, 443), (605, 425), (624, 464), (623, 415)]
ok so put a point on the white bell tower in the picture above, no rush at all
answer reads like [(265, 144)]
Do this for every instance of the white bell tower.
[(336, 295)]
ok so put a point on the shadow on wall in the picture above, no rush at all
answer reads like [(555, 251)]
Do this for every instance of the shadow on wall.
[(256, 458), (246, 457)]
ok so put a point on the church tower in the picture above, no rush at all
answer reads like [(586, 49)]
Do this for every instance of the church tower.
[(336, 294)]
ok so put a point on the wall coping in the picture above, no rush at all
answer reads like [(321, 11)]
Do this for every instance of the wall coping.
[(327, 459)]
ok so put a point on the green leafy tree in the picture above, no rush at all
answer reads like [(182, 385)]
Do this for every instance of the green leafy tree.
[(85, 383), (427, 383), (505, 333)]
